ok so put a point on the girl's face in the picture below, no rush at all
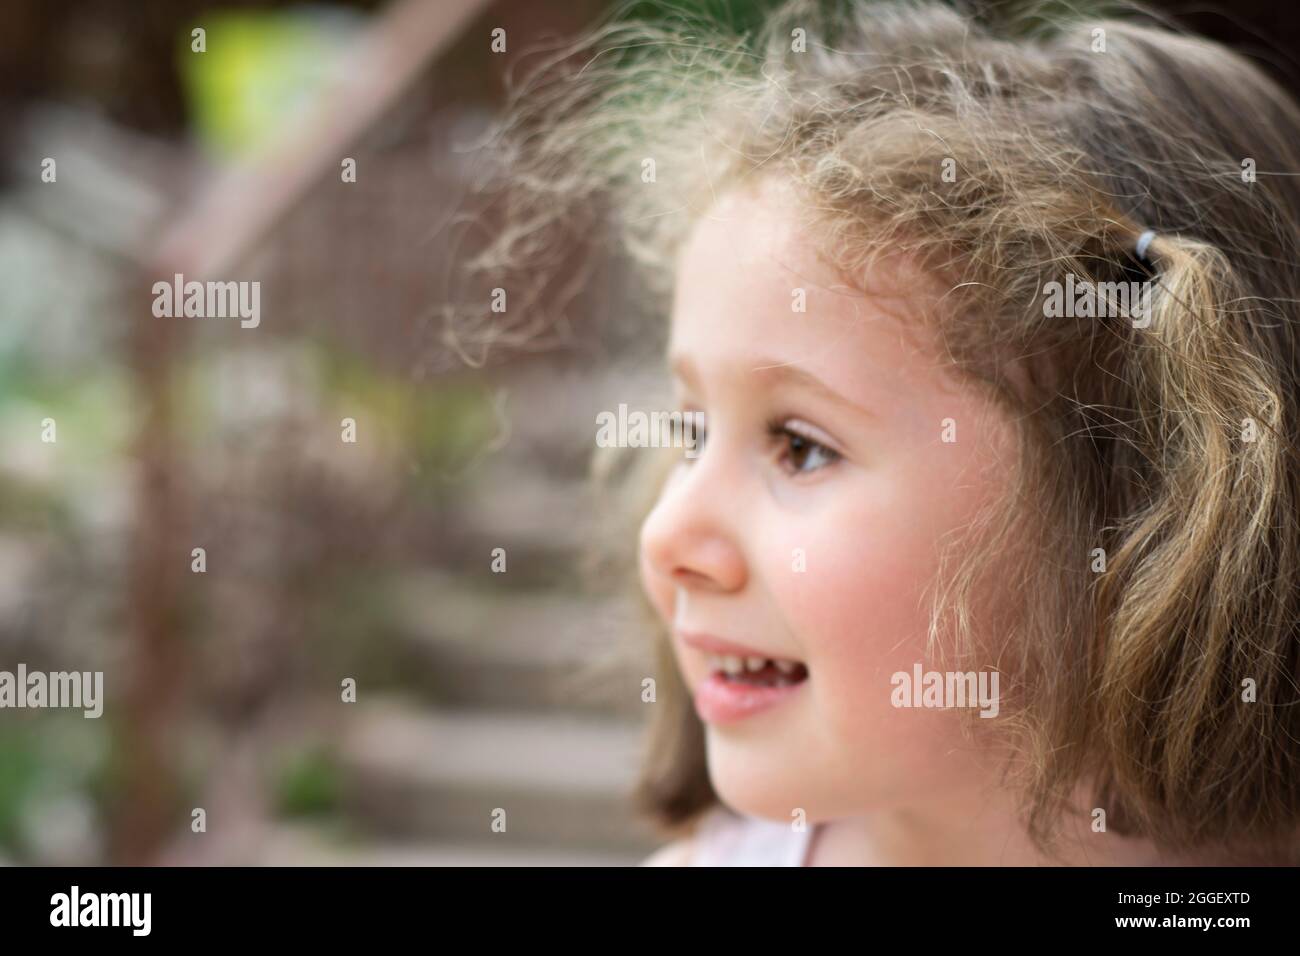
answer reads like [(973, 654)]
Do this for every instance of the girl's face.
[(809, 525)]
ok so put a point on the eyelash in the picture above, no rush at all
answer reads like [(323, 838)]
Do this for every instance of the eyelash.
[(778, 428)]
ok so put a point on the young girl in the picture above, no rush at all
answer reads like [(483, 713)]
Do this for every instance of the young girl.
[(990, 547)]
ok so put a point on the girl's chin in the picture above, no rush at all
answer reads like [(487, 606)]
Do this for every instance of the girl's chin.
[(753, 783)]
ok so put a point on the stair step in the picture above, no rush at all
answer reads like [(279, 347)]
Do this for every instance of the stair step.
[(520, 650), (563, 781)]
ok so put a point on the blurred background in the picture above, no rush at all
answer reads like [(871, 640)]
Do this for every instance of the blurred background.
[(325, 560)]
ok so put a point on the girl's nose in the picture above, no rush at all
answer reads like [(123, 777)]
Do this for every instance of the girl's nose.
[(688, 538)]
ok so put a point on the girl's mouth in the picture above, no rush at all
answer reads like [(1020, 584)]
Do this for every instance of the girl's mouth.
[(741, 687), (757, 671)]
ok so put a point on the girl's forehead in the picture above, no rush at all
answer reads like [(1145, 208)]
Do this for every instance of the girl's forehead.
[(753, 279), (759, 243)]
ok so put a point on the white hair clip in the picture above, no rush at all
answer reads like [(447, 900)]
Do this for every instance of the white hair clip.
[(1144, 243)]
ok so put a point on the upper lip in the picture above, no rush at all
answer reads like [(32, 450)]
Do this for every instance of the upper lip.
[(710, 644)]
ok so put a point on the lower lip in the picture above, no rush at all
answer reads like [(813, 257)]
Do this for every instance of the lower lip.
[(720, 701)]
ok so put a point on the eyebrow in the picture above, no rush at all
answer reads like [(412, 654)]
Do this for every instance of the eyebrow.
[(777, 372)]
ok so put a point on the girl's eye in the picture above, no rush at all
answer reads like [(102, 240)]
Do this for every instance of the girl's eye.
[(801, 453)]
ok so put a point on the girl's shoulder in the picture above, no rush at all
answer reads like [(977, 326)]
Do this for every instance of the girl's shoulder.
[(725, 838)]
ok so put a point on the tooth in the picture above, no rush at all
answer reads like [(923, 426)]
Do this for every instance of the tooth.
[(733, 665), (756, 663), (786, 667), (715, 662)]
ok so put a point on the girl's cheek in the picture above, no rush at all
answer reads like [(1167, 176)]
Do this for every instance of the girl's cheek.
[(858, 610), (860, 616), (849, 576)]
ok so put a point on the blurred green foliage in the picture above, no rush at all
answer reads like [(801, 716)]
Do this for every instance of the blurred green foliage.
[(445, 426), (20, 769), (257, 69), (309, 783)]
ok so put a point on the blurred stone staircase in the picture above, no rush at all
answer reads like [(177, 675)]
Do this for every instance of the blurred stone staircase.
[(505, 704), (443, 777)]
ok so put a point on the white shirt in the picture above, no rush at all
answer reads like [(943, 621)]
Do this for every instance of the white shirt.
[(725, 838)]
